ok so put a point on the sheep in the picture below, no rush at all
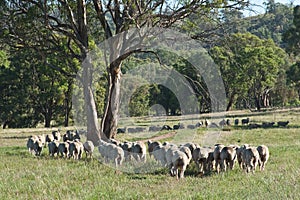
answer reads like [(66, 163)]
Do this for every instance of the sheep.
[(88, 148), (222, 123), (53, 148), (49, 138), (76, 150), (263, 151), (166, 127), (187, 152), (228, 156), (139, 151), (203, 157), (56, 135), (38, 147), (217, 152), (30, 143), (126, 146), (71, 136), (121, 130), (159, 154), (152, 145), (178, 126), (236, 122), (191, 126), (191, 146), (239, 154), (250, 159), (179, 161), (245, 121), (63, 149), (42, 138), (111, 152), (282, 123)]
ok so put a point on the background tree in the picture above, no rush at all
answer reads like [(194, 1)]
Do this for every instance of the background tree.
[(249, 67)]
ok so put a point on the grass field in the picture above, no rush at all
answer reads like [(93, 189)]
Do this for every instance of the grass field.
[(23, 176)]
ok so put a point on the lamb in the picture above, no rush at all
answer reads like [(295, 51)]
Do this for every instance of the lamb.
[(203, 157), (53, 148), (63, 149), (250, 159), (228, 156), (139, 151), (179, 161), (111, 152), (217, 158), (191, 146), (76, 150), (152, 145), (263, 151)]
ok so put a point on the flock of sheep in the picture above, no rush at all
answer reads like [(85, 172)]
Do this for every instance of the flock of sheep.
[(69, 147), (171, 156), (219, 158)]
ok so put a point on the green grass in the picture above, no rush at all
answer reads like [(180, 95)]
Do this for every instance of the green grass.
[(23, 176)]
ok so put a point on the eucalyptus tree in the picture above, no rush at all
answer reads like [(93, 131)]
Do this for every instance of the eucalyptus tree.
[(249, 67), (74, 20)]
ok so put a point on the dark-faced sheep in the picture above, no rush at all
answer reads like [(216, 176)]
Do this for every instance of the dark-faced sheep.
[(200, 157), (264, 154), (282, 123), (152, 145), (245, 121)]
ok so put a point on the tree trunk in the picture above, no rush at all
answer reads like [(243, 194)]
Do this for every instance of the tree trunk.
[(230, 102), (110, 117), (93, 131)]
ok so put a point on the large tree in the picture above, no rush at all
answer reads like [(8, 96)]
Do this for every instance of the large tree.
[(74, 20), (249, 67)]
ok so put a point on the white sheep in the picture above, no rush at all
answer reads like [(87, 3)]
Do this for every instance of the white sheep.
[(217, 158), (159, 154), (201, 159), (179, 161), (228, 156), (239, 154), (89, 148), (76, 149), (250, 159), (264, 154), (111, 152)]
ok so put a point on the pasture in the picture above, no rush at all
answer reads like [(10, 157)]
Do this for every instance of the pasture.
[(24, 176)]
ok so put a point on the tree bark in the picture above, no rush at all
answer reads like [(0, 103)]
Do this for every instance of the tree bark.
[(230, 102), (93, 131), (111, 114)]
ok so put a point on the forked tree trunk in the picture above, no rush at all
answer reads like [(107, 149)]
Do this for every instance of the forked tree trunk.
[(110, 118)]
